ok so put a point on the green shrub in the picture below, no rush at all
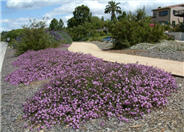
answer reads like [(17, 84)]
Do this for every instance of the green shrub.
[(156, 34), (12, 36), (179, 27), (130, 31), (35, 37), (78, 33), (67, 38), (61, 36)]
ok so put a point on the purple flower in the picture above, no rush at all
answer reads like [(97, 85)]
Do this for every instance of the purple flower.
[(83, 87)]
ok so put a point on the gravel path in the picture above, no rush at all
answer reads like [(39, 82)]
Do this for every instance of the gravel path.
[(170, 50), (174, 67), (167, 119)]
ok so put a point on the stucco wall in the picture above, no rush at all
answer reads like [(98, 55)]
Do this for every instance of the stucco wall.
[(161, 18), (170, 17), (175, 18)]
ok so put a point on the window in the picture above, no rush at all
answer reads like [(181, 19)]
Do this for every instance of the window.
[(163, 13), (173, 23), (154, 14), (164, 22), (174, 12)]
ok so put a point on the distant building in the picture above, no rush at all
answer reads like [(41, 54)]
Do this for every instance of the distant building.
[(169, 15)]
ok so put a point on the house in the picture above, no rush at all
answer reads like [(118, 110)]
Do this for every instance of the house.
[(169, 15)]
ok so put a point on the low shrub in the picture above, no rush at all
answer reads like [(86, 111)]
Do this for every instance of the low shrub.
[(61, 36), (91, 30), (11, 36), (127, 33), (35, 37), (80, 32), (83, 87), (179, 27), (136, 28)]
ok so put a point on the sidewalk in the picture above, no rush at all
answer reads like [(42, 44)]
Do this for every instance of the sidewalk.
[(174, 67)]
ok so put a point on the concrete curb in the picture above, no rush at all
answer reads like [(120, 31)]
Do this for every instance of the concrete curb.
[(3, 47)]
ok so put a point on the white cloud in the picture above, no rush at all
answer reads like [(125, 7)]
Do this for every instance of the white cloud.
[(66, 7), (4, 20), (30, 3), (97, 7), (9, 24)]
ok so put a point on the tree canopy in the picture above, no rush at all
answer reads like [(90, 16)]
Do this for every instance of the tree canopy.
[(81, 14), (55, 25), (113, 8)]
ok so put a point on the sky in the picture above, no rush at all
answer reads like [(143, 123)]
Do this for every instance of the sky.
[(16, 13)]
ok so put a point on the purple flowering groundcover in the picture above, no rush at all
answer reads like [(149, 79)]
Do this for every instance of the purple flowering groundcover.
[(83, 87)]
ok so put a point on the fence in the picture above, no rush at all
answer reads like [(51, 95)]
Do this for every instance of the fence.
[(177, 35)]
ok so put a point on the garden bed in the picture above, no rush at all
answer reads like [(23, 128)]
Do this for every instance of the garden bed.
[(165, 118)]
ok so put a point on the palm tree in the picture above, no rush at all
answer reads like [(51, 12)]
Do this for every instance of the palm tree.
[(113, 8)]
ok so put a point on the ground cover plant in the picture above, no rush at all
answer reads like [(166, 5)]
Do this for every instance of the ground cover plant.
[(83, 87)]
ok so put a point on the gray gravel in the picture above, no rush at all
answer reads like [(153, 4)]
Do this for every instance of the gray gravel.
[(171, 50), (167, 119), (12, 98)]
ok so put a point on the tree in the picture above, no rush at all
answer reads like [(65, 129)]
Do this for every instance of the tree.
[(71, 22), (113, 8), (60, 24), (54, 24), (122, 15), (97, 23), (141, 14), (82, 14), (102, 19)]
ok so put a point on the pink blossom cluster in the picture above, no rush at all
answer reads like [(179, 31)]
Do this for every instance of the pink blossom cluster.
[(44, 64), (83, 87)]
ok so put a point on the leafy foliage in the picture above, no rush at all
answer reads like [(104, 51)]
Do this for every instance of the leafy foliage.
[(61, 36), (88, 30), (80, 32), (133, 29), (55, 25), (81, 14), (35, 37), (179, 27), (113, 8), (60, 24), (12, 35), (122, 15), (71, 22), (83, 87)]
